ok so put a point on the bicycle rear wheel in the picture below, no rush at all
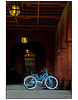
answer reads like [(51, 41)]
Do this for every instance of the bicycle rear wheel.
[(30, 82), (51, 82)]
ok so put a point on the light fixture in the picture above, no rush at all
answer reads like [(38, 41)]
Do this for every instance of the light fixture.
[(28, 54), (14, 9), (27, 50), (24, 40)]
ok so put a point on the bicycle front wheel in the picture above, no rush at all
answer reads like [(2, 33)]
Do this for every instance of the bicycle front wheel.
[(30, 82), (51, 82)]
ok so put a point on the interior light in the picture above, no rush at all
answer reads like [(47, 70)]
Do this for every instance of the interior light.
[(24, 40), (27, 50), (14, 10)]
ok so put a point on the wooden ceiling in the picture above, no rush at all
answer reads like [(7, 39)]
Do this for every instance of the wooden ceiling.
[(41, 15)]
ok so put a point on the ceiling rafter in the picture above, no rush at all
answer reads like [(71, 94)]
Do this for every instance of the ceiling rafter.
[(54, 26), (21, 28), (28, 3), (36, 15)]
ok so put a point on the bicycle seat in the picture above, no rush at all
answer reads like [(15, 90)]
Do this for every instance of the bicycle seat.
[(34, 73)]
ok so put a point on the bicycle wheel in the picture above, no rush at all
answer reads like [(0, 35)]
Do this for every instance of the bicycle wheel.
[(51, 82), (30, 82)]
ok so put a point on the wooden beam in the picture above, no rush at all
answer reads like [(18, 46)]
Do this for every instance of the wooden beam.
[(49, 21), (15, 28), (41, 5), (10, 20), (60, 3), (38, 14), (31, 23), (41, 12), (30, 26), (32, 16)]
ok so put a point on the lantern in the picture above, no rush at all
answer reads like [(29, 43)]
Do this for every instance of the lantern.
[(24, 40), (27, 50), (14, 10)]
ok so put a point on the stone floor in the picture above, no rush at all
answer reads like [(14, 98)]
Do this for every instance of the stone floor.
[(19, 91)]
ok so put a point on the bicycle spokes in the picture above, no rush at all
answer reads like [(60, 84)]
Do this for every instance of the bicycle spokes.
[(51, 83), (30, 82)]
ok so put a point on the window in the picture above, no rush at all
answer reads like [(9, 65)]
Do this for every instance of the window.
[(29, 62)]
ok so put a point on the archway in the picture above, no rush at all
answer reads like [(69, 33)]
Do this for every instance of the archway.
[(18, 52)]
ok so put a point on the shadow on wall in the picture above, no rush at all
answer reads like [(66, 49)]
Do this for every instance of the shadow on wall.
[(12, 76)]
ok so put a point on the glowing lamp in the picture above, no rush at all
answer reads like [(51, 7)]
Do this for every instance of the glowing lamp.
[(14, 10), (27, 51), (24, 40), (28, 54)]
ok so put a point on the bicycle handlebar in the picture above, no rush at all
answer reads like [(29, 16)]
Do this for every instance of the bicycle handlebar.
[(44, 70)]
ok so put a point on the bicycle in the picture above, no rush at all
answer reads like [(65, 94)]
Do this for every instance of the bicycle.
[(30, 82)]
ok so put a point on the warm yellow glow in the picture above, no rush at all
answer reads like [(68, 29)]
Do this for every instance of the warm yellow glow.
[(27, 50), (25, 55), (28, 54), (15, 7), (24, 40), (15, 11)]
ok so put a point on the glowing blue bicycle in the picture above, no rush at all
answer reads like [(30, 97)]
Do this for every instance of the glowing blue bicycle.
[(30, 82)]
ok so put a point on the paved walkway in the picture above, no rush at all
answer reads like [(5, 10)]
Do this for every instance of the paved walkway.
[(19, 91)]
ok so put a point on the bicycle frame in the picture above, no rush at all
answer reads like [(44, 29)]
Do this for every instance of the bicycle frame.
[(41, 78)]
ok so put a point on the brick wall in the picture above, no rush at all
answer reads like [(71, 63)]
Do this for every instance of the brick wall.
[(63, 48), (45, 38)]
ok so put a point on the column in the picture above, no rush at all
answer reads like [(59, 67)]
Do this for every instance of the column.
[(68, 76)]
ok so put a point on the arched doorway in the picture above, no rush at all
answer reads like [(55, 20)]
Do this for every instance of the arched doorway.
[(19, 60)]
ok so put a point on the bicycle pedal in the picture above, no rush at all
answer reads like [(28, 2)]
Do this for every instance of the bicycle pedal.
[(41, 85)]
